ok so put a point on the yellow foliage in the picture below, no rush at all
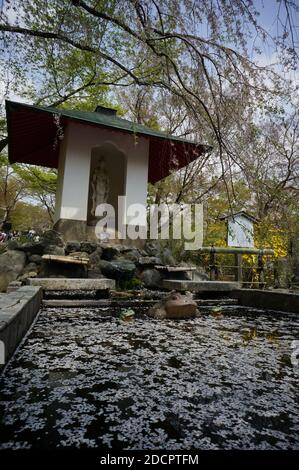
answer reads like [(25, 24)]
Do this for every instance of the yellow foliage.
[(276, 239), (266, 236)]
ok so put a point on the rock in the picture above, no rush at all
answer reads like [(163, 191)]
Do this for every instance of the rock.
[(51, 243), (110, 252), (32, 248), (54, 250), (149, 261), (13, 286), (151, 278), (126, 249), (12, 263), (30, 270), (175, 305), (88, 247), (119, 270), (30, 274), (12, 245), (72, 246), (132, 254), (152, 248), (106, 268), (51, 237), (35, 259), (79, 254), (94, 274), (167, 257), (30, 267), (95, 258), (200, 275)]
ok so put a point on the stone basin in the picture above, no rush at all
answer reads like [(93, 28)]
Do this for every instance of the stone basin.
[(85, 379)]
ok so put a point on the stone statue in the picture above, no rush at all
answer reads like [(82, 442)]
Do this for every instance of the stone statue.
[(99, 185)]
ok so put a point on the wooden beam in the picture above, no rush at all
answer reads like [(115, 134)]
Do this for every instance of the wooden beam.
[(65, 259)]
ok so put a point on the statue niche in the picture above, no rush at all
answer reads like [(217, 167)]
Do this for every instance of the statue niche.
[(106, 180), (100, 186)]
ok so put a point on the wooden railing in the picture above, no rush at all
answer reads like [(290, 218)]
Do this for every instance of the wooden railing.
[(238, 266)]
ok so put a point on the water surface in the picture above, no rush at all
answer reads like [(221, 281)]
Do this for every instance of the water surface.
[(84, 378)]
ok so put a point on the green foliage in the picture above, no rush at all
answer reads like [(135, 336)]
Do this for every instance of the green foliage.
[(29, 216), (129, 284), (126, 314), (27, 195)]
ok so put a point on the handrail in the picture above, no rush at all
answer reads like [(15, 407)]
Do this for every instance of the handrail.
[(236, 250)]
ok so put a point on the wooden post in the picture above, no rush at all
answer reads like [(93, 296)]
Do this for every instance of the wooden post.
[(238, 264), (276, 274), (260, 269), (212, 264)]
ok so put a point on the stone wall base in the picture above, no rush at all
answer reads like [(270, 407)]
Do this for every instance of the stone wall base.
[(79, 230)]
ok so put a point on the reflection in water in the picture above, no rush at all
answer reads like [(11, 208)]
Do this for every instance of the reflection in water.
[(222, 380)]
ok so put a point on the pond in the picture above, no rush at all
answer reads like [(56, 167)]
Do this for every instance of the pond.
[(84, 378)]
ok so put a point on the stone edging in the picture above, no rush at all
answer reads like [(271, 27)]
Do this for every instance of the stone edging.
[(17, 311), (268, 299)]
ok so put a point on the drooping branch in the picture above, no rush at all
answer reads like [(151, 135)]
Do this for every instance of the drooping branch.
[(78, 45)]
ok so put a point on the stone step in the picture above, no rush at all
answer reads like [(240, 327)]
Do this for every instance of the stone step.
[(58, 284)]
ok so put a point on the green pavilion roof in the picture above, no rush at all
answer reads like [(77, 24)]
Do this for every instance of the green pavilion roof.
[(32, 133)]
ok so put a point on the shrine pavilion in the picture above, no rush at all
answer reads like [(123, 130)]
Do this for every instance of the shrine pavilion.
[(99, 156)]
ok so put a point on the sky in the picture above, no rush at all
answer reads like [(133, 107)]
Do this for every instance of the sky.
[(268, 19)]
